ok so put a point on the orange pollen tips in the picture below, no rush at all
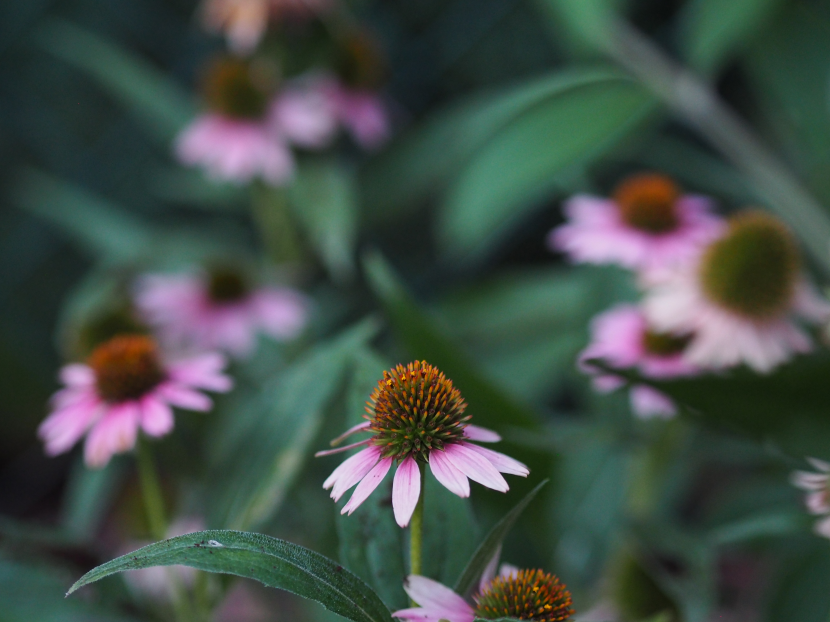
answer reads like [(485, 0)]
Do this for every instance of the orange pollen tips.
[(527, 595), (648, 202), (126, 367), (415, 409)]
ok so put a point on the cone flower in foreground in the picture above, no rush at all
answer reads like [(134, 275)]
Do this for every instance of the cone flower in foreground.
[(417, 417), (126, 385), (519, 594)]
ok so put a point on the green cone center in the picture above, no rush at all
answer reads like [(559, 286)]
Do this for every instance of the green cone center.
[(753, 269), (528, 595)]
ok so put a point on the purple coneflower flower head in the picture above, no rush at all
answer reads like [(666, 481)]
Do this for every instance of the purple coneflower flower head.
[(125, 386), (218, 310), (416, 416), (648, 225), (817, 486), (622, 338), (519, 594), (740, 298)]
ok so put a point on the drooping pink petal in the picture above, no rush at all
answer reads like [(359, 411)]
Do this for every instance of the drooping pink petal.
[(203, 371), (338, 450), (156, 416), (367, 485), (809, 481), (77, 375), (504, 464), (447, 475), (353, 430), (432, 595), (184, 397), (114, 433), (482, 435), (822, 527), (821, 465), (818, 502), (475, 466), (351, 471), (281, 312), (62, 429), (406, 489)]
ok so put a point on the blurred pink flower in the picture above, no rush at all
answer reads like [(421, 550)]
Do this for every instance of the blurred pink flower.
[(361, 112), (441, 439), (648, 225), (740, 298), (818, 487), (124, 387), (621, 337), (218, 311), (244, 22)]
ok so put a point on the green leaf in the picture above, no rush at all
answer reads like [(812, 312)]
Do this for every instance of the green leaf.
[(162, 105), (264, 461), (275, 563), (799, 593), (424, 340), (583, 116), (490, 546), (323, 200), (586, 24), (711, 30)]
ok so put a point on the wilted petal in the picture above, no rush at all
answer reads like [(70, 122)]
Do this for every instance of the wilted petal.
[(447, 475), (406, 489)]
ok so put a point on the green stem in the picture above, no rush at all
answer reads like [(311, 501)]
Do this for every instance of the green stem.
[(416, 529), (694, 100), (151, 490)]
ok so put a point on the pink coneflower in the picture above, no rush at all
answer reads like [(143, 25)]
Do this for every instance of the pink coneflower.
[(622, 338), (648, 225), (739, 298), (416, 417), (218, 311), (818, 487), (126, 386), (250, 125), (517, 594), (244, 22)]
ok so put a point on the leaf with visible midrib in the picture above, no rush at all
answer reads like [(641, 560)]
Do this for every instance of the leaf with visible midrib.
[(273, 562), (485, 551)]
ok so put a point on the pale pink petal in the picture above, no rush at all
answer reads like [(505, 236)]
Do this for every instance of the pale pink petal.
[(818, 502), (360, 427), (475, 466), (504, 464), (482, 435), (421, 614), (649, 403), (821, 465), (64, 427), (406, 489), (337, 450), (809, 481), (822, 527), (447, 475), (367, 485), (489, 570), (114, 433), (282, 312), (508, 571), (77, 375), (203, 372), (351, 471), (156, 416), (304, 115), (184, 397), (433, 595)]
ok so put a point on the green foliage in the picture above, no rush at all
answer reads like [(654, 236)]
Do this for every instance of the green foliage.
[(270, 561)]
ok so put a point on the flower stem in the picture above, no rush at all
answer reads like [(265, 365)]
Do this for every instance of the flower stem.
[(151, 490), (416, 529)]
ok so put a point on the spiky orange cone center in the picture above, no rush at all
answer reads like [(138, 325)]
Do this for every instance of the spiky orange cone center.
[(528, 595), (126, 367), (648, 202)]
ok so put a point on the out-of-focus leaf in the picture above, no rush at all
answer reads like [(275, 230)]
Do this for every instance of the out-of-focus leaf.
[(88, 497), (712, 30), (161, 104), (491, 544), (34, 593), (587, 23), (424, 340), (275, 563), (98, 226), (266, 460), (769, 525), (194, 189), (371, 543), (800, 593), (323, 200), (580, 120)]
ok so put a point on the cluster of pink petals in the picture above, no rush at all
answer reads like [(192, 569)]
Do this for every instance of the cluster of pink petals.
[(438, 602), (618, 338), (596, 233), (180, 309), (451, 466), (723, 338), (818, 487), (244, 22), (112, 428)]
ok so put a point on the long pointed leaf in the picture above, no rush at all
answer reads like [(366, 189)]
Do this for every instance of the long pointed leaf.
[(273, 562)]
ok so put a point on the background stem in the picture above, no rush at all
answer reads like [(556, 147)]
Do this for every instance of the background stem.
[(151, 490)]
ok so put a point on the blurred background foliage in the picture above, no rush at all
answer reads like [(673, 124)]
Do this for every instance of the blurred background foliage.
[(432, 248)]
